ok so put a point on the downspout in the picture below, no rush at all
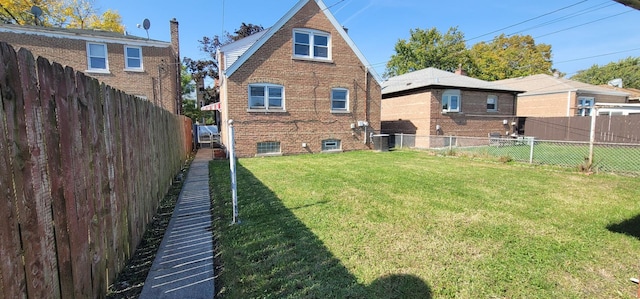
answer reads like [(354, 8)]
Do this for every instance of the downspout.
[(569, 103), (366, 102)]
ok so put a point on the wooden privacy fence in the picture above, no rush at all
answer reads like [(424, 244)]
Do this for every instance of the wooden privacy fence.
[(83, 167), (613, 129)]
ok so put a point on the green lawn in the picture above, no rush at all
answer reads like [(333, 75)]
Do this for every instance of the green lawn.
[(406, 224), (615, 159)]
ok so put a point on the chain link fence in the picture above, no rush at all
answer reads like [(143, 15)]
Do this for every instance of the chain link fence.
[(622, 158)]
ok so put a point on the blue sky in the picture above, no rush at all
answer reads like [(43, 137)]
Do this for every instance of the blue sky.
[(581, 32)]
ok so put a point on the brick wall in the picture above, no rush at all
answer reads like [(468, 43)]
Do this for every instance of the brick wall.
[(307, 89), (73, 53), (559, 104), (550, 105), (420, 113)]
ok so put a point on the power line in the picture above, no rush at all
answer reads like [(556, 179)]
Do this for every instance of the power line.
[(573, 15), (525, 21), (599, 55), (583, 24)]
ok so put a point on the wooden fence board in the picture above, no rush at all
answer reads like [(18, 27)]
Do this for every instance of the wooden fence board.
[(87, 166), (84, 184), (614, 129), (41, 264), (11, 268), (51, 79)]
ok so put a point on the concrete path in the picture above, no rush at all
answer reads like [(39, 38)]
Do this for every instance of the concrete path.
[(183, 267)]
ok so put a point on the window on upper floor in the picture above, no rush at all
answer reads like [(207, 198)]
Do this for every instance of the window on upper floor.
[(97, 59), (266, 97), (311, 44), (133, 58), (492, 103), (451, 100), (339, 100), (584, 106)]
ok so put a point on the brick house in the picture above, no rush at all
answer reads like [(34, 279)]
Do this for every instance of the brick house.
[(138, 66), (432, 102), (550, 96), (300, 86)]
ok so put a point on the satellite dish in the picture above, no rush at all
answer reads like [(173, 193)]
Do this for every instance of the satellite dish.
[(36, 11), (146, 24), (615, 82)]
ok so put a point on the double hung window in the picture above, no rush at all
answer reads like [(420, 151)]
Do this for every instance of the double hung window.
[(339, 100), (311, 44), (97, 59), (451, 100), (133, 58), (492, 103), (266, 97)]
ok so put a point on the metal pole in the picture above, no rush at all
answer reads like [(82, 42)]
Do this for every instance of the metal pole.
[(401, 139), (532, 142), (232, 166), (592, 133)]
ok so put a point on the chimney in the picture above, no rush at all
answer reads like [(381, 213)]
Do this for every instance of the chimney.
[(175, 39), (460, 71)]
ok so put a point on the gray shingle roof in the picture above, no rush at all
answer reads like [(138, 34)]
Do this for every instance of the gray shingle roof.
[(438, 78)]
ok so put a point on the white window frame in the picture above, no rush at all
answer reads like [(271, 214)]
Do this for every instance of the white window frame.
[(126, 59), (266, 97), (327, 148), (582, 109), (346, 100), (311, 47), (91, 55), (269, 145), (494, 99), (447, 96)]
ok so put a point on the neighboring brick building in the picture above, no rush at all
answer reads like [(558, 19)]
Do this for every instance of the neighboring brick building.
[(300, 86), (431, 102), (549, 96), (138, 66)]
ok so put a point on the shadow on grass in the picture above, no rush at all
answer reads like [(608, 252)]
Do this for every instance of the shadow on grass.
[(629, 227), (272, 254)]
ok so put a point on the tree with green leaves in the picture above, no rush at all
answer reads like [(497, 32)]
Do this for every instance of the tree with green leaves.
[(509, 57), (428, 48), (80, 14), (627, 69)]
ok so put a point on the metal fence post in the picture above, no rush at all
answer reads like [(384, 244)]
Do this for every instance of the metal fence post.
[(232, 167), (401, 139), (592, 133), (532, 142)]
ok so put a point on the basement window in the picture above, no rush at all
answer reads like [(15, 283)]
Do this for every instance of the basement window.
[(268, 148)]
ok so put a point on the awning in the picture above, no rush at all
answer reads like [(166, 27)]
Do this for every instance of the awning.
[(211, 107)]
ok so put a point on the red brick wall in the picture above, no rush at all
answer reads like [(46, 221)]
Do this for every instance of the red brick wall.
[(307, 88), (73, 53)]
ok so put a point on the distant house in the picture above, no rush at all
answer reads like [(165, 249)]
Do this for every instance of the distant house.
[(431, 102), (550, 96), (149, 69), (300, 86)]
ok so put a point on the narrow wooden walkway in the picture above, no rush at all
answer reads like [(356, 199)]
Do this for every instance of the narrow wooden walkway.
[(183, 267)]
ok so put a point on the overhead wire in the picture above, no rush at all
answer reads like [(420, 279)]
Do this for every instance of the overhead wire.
[(525, 21)]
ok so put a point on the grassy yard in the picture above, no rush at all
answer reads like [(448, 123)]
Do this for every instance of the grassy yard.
[(625, 160), (406, 224)]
